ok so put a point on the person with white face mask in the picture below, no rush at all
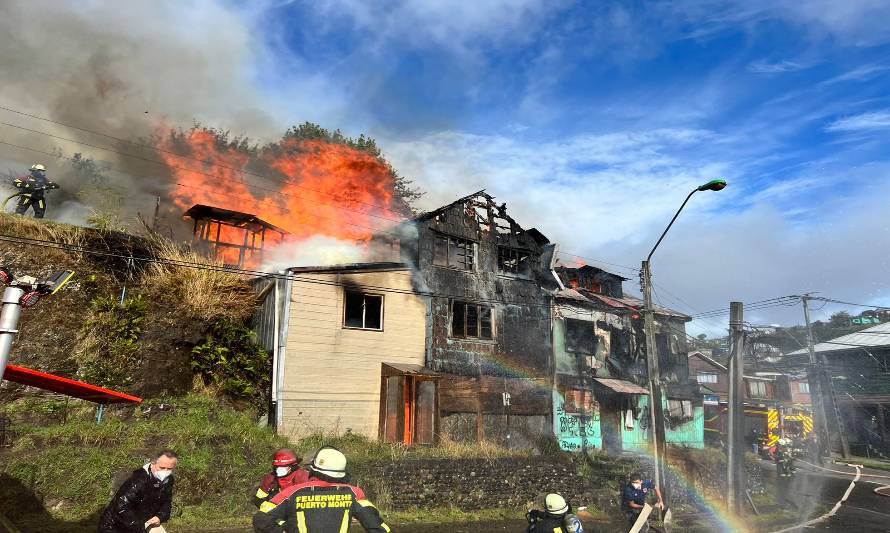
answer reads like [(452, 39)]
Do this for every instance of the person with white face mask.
[(285, 472), (634, 495), (143, 502)]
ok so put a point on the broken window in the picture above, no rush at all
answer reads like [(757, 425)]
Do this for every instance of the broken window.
[(680, 408), (578, 400), (706, 377), (757, 389), (454, 252), (580, 336), (363, 311), (471, 321), (619, 342), (513, 261)]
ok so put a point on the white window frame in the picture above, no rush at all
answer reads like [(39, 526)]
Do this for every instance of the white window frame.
[(714, 375), (364, 296)]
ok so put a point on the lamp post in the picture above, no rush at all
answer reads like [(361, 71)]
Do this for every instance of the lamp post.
[(656, 410)]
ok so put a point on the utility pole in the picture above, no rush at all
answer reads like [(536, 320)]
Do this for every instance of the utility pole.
[(735, 455), (656, 409), (823, 403)]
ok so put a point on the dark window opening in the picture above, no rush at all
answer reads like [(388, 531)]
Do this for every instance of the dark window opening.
[(619, 342), (363, 311), (512, 261), (580, 336), (471, 321), (454, 252), (663, 349)]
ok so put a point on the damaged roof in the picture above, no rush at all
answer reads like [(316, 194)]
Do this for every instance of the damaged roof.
[(235, 218), (626, 303), (353, 267)]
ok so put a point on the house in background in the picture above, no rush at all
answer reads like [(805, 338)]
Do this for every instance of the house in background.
[(769, 407), (858, 365), (600, 398)]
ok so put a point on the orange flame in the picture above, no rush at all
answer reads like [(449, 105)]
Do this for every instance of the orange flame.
[(308, 188)]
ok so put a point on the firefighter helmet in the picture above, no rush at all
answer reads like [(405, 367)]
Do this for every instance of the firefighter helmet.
[(285, 457), (556, 504), (38, 166), (329, 462)]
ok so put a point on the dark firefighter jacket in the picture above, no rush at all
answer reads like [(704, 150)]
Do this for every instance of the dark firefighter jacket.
[(318, 506), (139, 498), (272, 486), (34, 186)]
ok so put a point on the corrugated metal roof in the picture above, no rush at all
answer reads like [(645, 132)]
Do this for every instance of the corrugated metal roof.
[(873, 337), (619, 385)]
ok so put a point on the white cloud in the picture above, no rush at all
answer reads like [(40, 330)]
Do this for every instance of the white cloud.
[(872, 120), (767, 67)]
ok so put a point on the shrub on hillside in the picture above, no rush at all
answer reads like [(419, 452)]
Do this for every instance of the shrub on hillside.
[(230, 360)]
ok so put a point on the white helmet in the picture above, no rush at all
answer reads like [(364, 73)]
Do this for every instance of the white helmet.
[(329, 461), (38, 166), (556, 504)]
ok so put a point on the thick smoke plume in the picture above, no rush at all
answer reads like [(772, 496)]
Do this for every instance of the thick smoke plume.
[(125, 70)]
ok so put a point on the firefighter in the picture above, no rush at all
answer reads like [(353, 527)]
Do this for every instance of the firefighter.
[(557, 518), (33, 187), (324, 504), (634, 495), (285, 472), (784, 458)]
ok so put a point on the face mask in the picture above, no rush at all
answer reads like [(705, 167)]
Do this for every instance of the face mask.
[(282, 471), (162, 475), (637, 486)]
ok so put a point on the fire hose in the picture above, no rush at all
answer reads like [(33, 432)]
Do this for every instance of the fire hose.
[(10, 197)]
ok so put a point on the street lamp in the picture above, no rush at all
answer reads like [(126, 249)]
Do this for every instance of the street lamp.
[(655, 397)]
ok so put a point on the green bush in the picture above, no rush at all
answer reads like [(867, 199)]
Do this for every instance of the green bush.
[(230, 360), (108, 343)]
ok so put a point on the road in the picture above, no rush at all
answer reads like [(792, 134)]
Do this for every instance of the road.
[(863, 511)]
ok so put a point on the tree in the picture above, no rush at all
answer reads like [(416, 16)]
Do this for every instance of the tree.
[(701, 336)]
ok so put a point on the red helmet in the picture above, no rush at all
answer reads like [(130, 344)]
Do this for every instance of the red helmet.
[(285, 457)]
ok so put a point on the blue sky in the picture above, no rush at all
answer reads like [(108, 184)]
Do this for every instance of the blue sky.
[(592, 120)]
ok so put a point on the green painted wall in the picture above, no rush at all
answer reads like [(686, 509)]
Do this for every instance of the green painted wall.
[(567, 427), (691, 434)]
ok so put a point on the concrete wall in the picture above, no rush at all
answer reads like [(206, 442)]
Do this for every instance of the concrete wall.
[(331, 373)]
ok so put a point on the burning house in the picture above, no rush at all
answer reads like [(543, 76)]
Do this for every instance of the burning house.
[(473, 335)]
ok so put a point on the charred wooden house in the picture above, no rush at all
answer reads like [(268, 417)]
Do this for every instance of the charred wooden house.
[(599, 350), (489, 321)]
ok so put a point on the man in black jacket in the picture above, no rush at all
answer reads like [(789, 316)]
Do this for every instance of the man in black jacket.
[(143, 501)]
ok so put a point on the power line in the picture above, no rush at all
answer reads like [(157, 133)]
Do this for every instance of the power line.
[(761, 304), (147, 146), (831, 300), (625, 267)]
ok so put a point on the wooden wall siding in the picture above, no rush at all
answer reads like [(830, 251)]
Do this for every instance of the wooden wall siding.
[(332, 374), (458, 394)]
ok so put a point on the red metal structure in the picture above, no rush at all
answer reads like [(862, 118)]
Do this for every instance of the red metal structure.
[(68, 387)]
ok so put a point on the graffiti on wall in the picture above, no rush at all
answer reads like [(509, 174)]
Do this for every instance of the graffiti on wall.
[(574, 430)]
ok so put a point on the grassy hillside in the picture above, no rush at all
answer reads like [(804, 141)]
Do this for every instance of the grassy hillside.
[(145, 344)]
